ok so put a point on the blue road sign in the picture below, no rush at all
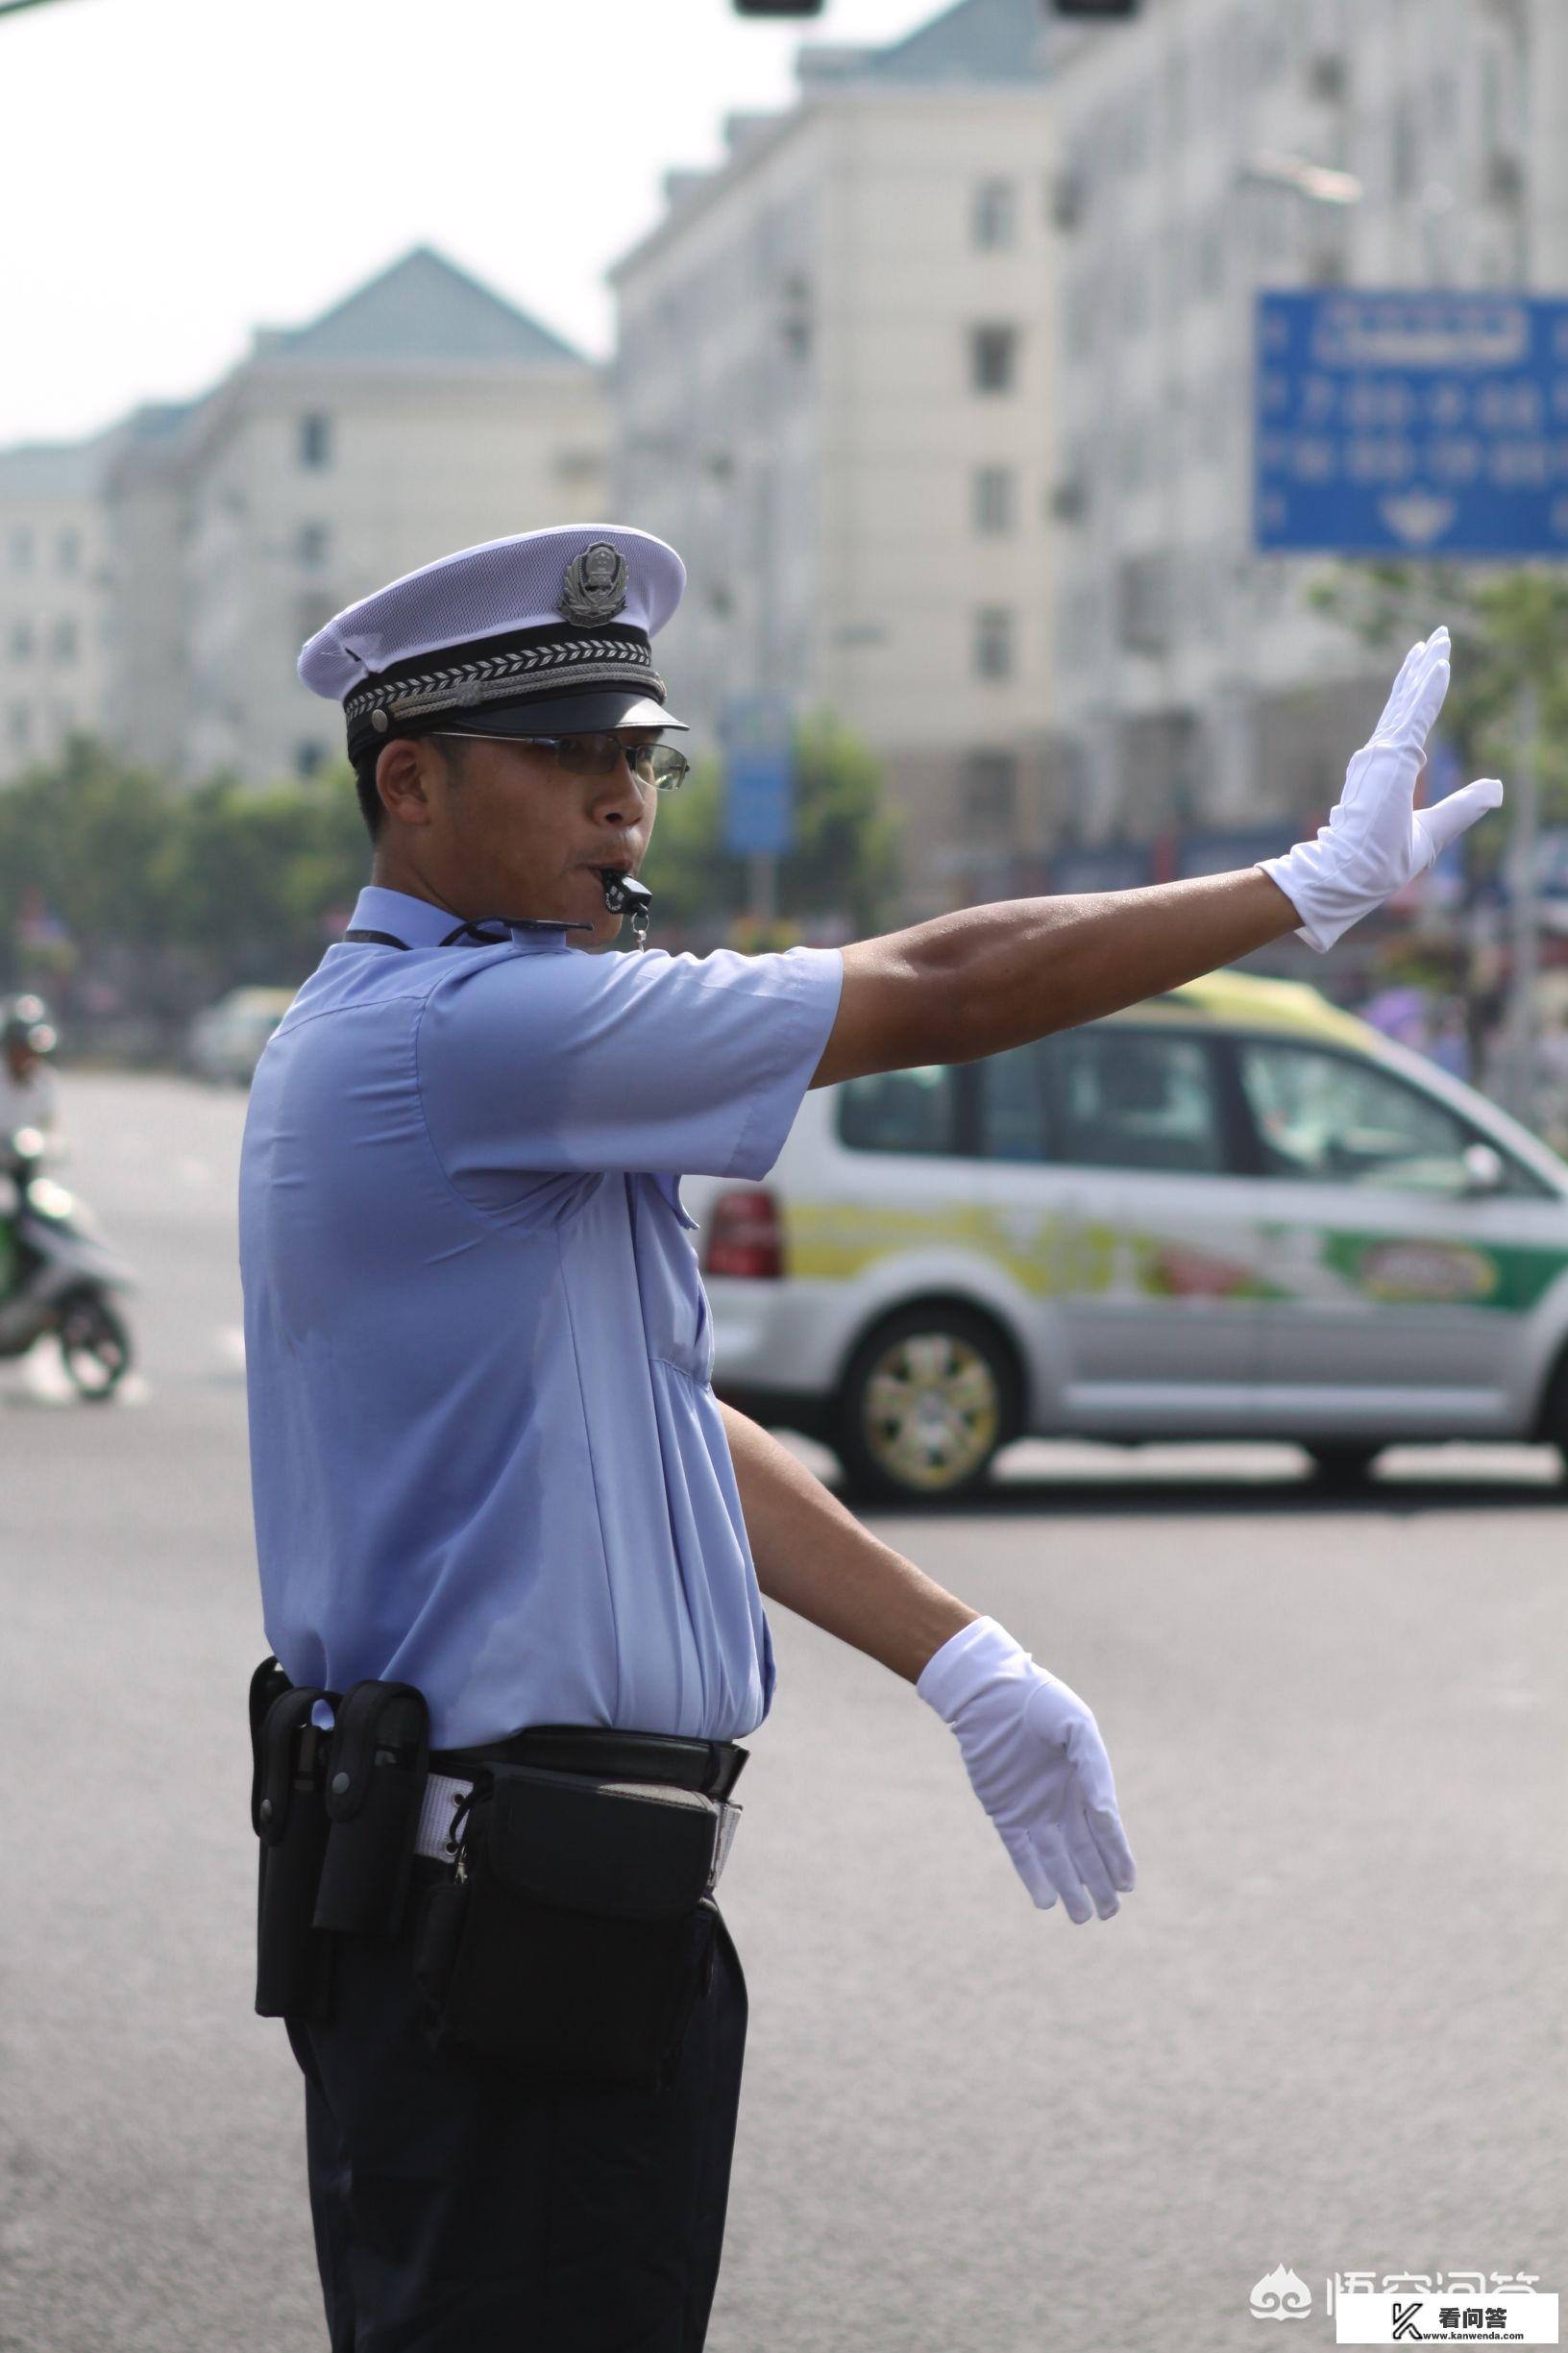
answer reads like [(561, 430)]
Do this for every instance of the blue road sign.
[(1412, 424), (758, 741)]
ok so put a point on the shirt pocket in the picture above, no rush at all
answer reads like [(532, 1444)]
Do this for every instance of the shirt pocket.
[(675, 1317)]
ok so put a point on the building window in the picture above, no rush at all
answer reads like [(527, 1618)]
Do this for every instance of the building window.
[(993, 216), (1209, 260), (63, 644), (994, 642), (990, 794), (21, 641), (1134, 453), (1134, 295), (996, 500), (994, 358), (1405, 148), (21, 726), (309, 757), (1081, 313), (315, 439), (795, 317), (68, 551), (312, 545), (1143, 603), (21, 550)]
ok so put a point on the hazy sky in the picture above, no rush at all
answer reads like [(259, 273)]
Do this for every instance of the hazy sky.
[(174, 172)]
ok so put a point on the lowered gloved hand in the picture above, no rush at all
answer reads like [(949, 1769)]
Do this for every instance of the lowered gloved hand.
[(1038, 1765), (1375, 842)]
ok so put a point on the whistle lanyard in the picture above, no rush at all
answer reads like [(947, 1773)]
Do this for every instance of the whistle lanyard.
[(468, 935)]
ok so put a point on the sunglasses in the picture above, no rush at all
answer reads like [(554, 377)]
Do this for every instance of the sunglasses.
[(597, 755)]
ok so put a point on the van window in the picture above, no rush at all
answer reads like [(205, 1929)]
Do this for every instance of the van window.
[(1012, 1120), (1128, 1098), (1330, 1119), (901, 1111)]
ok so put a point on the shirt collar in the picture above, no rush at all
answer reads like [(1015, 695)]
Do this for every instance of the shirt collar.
[(424, 924)]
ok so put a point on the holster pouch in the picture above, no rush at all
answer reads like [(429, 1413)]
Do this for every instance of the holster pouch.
[(375, 1782), (293, 1969), (577, 1934)]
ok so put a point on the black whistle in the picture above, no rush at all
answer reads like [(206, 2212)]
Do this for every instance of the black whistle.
[(621, 895)]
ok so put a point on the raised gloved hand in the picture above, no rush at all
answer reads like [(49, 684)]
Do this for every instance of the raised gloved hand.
[(1038, 1765), (1375, 842)]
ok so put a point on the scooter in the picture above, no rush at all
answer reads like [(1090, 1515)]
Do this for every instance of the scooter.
[(66, 1276)]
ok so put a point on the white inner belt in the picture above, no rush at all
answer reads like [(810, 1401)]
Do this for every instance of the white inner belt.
[(439, 1810), (436, 1817)]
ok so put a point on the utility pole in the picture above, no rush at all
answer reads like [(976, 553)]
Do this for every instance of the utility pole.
[(1524, 904)]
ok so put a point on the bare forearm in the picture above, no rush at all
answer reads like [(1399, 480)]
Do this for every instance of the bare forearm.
[(816, 1558), (1024, 968)]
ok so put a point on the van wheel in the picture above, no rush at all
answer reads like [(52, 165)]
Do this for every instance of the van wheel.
[(1343, 1468), (928, 1398), (1553, 1426)]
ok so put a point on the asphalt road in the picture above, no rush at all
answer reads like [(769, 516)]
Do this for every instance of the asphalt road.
[(1327, 2030)]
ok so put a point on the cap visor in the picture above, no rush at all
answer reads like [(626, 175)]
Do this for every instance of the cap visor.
[(565, 715)]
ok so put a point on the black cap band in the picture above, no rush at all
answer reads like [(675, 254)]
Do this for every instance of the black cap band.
[(530, 665)]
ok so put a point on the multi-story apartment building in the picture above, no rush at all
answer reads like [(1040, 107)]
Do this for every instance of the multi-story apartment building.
[(421, 414), (156, 585), (833, 394), (1199, 687), (53, 573)]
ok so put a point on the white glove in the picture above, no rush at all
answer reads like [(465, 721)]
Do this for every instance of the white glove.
[(1374, 842), (1038, 1765)]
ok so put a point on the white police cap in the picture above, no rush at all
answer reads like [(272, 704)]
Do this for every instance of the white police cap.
[(546, 633)]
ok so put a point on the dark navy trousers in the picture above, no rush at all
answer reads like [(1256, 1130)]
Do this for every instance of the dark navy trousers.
[(460, 2210)]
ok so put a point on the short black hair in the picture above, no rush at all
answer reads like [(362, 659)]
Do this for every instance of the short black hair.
[(372, 807)]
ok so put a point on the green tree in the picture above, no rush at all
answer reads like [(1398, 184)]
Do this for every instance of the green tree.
[(171, 896), (1507, 627), (842, 862), (85, 837)]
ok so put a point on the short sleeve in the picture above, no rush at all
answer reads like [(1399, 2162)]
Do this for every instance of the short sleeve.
[(677, 1065)]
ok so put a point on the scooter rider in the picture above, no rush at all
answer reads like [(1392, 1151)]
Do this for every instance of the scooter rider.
[(27, 1101), (27, 1082)]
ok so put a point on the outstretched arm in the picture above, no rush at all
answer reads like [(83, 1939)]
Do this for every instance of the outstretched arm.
[(988, 978)]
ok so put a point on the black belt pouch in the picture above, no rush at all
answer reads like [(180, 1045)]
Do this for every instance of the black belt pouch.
[(294, 1961), (576, 1940)]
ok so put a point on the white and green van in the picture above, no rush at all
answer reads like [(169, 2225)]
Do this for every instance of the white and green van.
[(1231, 1212)]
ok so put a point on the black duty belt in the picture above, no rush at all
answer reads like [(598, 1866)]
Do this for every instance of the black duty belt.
[(712, 1766)]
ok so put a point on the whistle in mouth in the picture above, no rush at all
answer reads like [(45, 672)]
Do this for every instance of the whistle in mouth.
[(621, 893), (624, 897)]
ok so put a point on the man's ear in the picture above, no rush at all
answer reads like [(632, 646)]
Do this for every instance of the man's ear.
[(404, 774)]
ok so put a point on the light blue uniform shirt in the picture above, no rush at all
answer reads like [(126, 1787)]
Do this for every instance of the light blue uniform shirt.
[(485, 1455)]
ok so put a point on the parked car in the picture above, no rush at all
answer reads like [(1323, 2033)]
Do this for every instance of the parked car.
[(223, 1043), (1231, 1212)]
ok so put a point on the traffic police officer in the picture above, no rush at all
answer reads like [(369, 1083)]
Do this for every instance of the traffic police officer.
[(489, 1469)]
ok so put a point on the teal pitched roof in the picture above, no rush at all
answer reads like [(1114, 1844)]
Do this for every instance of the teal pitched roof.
[(423, 308), (979, 41), (53, 469)]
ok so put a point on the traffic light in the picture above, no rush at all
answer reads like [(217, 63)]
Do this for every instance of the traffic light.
[(778, 7), (1092, 8)]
